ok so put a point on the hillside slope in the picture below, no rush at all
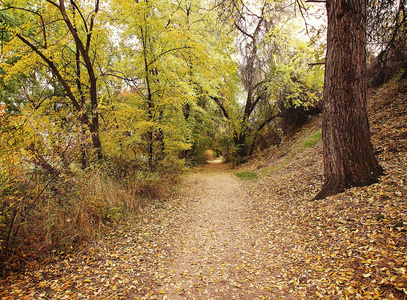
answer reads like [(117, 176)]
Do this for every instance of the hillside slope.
[(350, 245)]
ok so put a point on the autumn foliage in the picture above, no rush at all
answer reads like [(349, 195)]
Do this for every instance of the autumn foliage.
[(50, 204), (105, 105), (95, 120)]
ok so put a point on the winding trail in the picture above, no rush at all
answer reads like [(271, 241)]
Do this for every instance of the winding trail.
[(207, 243)]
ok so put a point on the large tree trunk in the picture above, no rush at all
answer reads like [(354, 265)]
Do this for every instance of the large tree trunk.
[(349, 158)]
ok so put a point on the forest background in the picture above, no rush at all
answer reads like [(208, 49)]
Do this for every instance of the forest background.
[(105, 104)]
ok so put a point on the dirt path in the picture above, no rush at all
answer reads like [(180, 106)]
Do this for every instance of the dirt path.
[(215, 244), (203, 245)]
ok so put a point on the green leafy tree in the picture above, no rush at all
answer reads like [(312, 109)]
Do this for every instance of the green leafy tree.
[(181, 68), (273, 68)]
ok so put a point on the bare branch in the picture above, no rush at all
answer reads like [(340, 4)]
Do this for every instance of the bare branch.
[(53, 3), (221, 106), (316, 64)]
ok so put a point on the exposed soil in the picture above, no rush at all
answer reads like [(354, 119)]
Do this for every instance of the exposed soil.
[(215, 249)]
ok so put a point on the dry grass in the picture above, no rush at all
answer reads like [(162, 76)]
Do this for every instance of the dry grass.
[(51, 215)]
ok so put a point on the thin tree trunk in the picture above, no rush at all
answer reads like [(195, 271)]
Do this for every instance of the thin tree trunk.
[(240, 144), (84, 50), (267, 121), (149, 100), (348, 152)]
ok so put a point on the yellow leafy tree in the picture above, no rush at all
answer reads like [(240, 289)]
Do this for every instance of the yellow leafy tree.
[(172, 69), (60, 44)]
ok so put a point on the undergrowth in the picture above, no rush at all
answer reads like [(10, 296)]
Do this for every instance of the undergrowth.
[(351, 245), (43, 214), (266, 163)]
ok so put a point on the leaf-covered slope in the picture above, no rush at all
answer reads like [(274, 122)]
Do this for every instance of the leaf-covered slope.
[(352, 245)]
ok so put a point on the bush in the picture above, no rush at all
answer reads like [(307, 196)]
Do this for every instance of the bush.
[(42, 213), (386, 66), (295, 116), (209, 155)]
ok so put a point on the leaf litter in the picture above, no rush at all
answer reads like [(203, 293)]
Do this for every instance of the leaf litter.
[(222, 238)]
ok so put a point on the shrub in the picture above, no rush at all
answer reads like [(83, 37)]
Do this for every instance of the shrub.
[(209, 155), (42, 213)]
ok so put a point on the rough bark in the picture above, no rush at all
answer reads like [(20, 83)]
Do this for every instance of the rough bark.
[(349, 158)]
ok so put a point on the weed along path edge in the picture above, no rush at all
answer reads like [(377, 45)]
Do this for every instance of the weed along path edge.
[(224, 238)]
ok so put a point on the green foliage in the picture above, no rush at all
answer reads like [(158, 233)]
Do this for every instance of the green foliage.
[(275, 75), (291, 79), (182, 67), (247, 175)]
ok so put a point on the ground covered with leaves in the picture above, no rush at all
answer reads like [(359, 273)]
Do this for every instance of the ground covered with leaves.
[(349, 246), (261, 237)]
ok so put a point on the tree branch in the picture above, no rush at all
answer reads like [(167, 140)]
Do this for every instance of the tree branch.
[(53, 3), (165, 52), (253, 105), (54, 69), (92, 22), (316, 64), (271, 118), (221, 106), (31, 12), (243, 31)]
